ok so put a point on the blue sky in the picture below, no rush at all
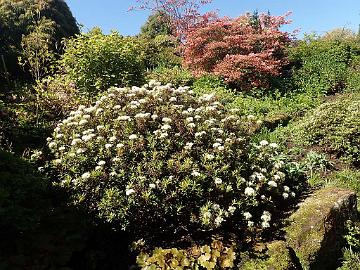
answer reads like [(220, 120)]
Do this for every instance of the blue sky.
[(308, 15)]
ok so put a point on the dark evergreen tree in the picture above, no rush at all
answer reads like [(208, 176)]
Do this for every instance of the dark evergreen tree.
[(18, 18)]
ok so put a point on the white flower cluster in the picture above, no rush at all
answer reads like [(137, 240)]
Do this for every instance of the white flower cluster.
[(152, 144)]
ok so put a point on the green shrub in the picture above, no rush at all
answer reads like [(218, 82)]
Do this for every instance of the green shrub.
[(159, 160), (161, 52), (335, 125), (95, 61), (55, 97), (175, 75), (322, 65)]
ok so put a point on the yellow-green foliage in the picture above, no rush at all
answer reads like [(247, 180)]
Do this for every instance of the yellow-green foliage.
[(213, 256), (95, 61), (334, 124)]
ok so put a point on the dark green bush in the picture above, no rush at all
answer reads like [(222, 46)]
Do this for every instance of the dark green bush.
[(17, 18), (322, 65), (161, 52), (95, 61)]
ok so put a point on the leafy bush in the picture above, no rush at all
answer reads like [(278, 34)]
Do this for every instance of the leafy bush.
[(176, 75), (55, 97), (95, 61), (159, 160), (336, 125), (247, 51), (322, 65), (161, 52)]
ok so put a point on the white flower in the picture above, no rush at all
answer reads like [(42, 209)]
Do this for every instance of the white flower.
[(86, 175), (152, 185), (133, 137), (273, 145), (285, 195), (216, 145), (292, 194), (209, 156), (83, 122), (188, 145), (129, 191), (166, 127), (250, 224), (98, 168), (249, 191), (120, 145), (101, 163), (247, 215), (59, 136), (218, 220), (221, 148), (218, 180), (231, 209), (286, 189), (191, 125), (112, 139), (195, 173), (172, 99), (199, 134), (124, 118), (166, 120), (266, 216), (142, 115), (154, 116), (163, 135), (265, 224), (272, 183), (86, 116), (264, 143), (62, 148), (116, 159), (52, 145), (80, 151), (108, 145), (190, 119), (276, 177)]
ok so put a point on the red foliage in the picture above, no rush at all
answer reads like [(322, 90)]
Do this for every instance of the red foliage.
[(184, 14), (246, 51)]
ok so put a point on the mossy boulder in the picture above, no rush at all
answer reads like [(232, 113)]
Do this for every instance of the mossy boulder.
[(278, 257), (316, 229)]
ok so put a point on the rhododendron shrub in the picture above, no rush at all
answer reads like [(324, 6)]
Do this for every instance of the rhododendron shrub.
[(159, 159), (244, 51)]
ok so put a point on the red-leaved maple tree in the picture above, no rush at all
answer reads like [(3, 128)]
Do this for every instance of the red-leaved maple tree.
[(184, 14), (246, 51)]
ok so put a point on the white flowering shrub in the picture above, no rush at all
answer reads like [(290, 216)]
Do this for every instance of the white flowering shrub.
[(160, 158)]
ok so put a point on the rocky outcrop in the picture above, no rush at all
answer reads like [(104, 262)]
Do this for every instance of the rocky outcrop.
[(316, 229)]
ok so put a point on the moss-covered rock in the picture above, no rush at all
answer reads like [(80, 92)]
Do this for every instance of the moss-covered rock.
[(316, 229), (278, 257)]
